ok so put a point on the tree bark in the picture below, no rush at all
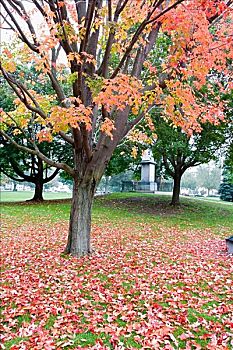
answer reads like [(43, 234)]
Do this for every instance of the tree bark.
[(78, 243), (176, 189)]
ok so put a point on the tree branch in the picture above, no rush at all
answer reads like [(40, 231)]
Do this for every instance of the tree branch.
[(87, 24), (10, 176), (167, 167), (103, 69), (19, 172), (37, 152), (24, 15), (51, 177), (33, 47), (140, 29)]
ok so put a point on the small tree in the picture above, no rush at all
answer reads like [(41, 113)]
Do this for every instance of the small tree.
[(226, 187), (114, 81), (226, 191)]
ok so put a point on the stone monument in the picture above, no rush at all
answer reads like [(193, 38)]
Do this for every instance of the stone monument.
[(148, 171)]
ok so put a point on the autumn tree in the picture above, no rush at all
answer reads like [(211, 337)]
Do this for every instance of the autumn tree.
[(102, 48)]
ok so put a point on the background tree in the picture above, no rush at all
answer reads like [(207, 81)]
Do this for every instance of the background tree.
[(181, 152), (189, 180), (23, 167), (106, 47), (209, 177), (226, 187)]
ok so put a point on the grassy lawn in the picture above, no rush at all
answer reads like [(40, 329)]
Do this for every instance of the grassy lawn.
[(159, 277), (10, 196)]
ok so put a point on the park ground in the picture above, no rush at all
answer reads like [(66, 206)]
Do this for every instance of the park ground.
[(158, 278)]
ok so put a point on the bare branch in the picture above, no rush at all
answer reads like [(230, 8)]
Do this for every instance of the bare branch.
[(51, 177), (32, 46), (22, 12)]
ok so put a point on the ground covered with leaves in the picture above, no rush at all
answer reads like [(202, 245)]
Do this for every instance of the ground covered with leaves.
[(146, 286)]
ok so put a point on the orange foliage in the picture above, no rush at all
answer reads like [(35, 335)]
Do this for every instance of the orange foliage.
[(196, 49)]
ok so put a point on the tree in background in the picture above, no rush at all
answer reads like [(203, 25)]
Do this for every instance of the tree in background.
[(189, 180), (226, 187), (180, 152), (208, 177), (23, 167), (114, 80)]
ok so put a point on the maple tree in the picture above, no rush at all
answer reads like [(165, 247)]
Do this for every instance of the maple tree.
[(105, 48)]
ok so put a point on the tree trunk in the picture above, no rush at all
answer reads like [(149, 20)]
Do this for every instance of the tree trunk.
[(106, 184), (158, 181), (80, 219), (15, 186), (39, 182), (38, 194), (176, 190)]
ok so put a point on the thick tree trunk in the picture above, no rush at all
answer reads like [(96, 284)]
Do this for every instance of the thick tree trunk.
[(176, 190), (80, 219), (38, 194)]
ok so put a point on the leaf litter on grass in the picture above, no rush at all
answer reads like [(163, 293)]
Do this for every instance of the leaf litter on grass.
[(143, 288)]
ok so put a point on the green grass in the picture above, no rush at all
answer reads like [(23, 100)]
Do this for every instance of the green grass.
[(18, 196), (120, 207), (129, 210), (50, 322)]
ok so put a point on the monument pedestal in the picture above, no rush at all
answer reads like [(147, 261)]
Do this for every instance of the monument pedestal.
[(148, 172)]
